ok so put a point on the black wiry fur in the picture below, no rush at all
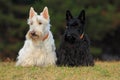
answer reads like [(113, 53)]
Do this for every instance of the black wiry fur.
[(73, 50)]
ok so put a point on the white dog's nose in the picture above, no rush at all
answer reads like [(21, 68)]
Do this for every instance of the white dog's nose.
[(32, 33)]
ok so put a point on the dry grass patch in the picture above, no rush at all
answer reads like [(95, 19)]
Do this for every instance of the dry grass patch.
[(101, 71)]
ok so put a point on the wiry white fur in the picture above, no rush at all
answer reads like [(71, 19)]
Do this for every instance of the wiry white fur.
[(38, 53)]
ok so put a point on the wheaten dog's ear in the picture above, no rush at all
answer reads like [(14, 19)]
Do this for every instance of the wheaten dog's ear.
[(45, 13), (31, 13)]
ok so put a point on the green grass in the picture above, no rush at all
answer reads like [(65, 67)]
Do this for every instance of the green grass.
[(101, 71)]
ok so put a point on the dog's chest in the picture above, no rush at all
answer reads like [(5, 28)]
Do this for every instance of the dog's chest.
[(39, 50)]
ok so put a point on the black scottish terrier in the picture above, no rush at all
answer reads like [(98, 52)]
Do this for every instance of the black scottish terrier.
[(74, 48)]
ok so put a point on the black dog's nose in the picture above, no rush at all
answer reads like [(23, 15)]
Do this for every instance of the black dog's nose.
[(69, 38)]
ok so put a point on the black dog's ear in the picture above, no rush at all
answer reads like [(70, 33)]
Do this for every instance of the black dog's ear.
[(81, 16), (68, 15)]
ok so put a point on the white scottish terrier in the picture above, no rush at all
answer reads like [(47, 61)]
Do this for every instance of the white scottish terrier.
[(39, 47)]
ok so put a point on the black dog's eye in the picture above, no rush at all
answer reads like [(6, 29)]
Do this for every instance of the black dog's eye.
[(67, 24), (75, 24), (79, 30)]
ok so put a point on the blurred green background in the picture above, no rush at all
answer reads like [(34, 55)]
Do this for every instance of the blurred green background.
[(102, 24)]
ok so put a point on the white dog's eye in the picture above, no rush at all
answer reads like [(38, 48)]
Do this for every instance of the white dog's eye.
[(39, 23), (31, 22)]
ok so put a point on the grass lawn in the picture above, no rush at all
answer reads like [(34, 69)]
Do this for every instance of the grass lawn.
[(101, 71)]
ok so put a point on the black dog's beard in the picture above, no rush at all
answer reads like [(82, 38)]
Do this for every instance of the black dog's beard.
[(70, 39)]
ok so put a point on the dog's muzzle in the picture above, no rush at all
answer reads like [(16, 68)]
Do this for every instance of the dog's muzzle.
[(38, 36), (70, 38), (33, 35)]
